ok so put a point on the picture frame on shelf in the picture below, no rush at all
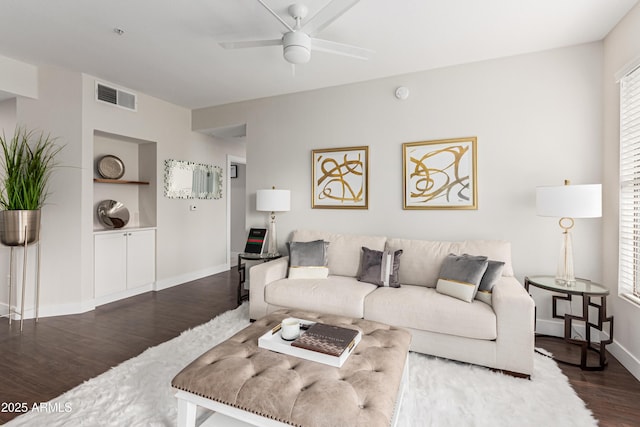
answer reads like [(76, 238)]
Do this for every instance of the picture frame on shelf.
[(233, 171), (440, 174), (340, 178)]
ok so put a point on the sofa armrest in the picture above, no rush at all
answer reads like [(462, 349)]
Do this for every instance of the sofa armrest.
[(515, 317), (260, 276)]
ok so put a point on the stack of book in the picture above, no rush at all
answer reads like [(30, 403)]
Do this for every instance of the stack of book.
[(327, 339), (255, 241), (318, 342)]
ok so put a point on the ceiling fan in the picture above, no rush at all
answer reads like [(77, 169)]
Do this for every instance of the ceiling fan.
[(299, 40)]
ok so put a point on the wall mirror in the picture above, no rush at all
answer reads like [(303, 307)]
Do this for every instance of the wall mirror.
[(189, 180)]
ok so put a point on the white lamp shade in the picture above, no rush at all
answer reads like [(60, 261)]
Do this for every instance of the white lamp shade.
[(570, 201), (273, 200)]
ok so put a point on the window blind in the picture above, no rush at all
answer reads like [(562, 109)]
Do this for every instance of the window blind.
[(629, 247)]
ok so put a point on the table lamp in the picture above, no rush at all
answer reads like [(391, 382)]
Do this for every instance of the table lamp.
[(273, 201), (568, 202)]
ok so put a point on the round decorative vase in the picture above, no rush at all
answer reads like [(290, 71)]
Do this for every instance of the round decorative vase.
[(12, 227)]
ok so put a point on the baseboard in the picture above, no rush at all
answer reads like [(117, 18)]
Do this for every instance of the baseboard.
[(188, 277), (88, 305), (624, 356), (57, 310), (556, 328), (4, 309), (106, 299)]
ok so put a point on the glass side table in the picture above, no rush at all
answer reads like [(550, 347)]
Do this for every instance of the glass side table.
[(242, 270), (586, 290)]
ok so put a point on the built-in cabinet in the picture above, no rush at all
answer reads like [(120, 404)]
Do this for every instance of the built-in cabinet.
[(125, 263), (125, 258)]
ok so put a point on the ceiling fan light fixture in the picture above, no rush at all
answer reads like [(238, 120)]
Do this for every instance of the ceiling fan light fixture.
[(297, 54), (297, 47)]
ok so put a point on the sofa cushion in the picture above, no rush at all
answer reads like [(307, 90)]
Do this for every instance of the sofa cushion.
[(380, 267), (497, 250), (489, 279), (460, 276), (421, 259), (344, 249), (339, 295), (423, 308)]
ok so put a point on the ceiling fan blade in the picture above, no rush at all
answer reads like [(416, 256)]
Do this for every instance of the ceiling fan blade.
[(250, 43), (282, 21), (341, 49), (327, 15)]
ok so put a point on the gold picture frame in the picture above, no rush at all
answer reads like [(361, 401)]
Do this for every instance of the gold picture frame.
[(440, 174), (340, 178)]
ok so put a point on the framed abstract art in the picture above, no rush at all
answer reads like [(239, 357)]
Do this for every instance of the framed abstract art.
[(440, 174), (340, 178)]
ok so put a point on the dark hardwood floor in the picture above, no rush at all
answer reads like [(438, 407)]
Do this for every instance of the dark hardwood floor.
[(59, 353)]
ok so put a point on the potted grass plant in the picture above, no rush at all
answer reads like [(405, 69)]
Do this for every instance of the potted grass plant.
[(26, 163)]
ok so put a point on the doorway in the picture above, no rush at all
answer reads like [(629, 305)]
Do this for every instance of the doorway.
[(236, 207)]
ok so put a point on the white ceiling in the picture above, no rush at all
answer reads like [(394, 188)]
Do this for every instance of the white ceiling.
[(170, 47)]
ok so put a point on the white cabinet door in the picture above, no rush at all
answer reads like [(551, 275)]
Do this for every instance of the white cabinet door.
[(141, 258), (110, 271)]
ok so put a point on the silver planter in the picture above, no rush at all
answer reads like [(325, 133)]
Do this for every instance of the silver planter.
[(12, 227)]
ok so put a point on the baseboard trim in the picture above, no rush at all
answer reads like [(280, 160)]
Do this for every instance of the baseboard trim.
[(89, 305), (57, 310), (188, 277), (624, 356), (106, 299), (556, 328), (4, 309)]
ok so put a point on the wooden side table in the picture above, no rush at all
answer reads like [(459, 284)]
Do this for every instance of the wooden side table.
[(586, 290), (242, 270)]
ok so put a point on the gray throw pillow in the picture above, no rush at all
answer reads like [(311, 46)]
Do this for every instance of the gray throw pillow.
[(380, 267), (460, 276), (308, 254), (489, 279)]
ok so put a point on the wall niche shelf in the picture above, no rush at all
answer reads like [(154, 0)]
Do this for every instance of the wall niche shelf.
[(119, 181), (137, 188)]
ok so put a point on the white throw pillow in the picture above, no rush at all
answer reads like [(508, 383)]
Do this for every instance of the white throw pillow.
[(308, 272)]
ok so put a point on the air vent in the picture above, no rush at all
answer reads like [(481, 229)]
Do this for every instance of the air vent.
[(115, 96)]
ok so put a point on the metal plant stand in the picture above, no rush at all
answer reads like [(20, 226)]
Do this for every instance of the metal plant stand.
[(13, 310)]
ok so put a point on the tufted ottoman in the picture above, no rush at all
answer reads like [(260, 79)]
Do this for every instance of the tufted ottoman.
[(260, 387)]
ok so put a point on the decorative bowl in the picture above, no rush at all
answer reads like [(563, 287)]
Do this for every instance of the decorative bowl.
[(112, 214)]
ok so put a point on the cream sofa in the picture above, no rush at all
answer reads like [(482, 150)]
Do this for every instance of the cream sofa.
[(500, 335)]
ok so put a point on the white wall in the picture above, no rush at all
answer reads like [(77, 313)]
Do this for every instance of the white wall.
[(189, 244), (58, 111), (8, 117), (7, 126), (621, 47), (18, 78), (538, 119)]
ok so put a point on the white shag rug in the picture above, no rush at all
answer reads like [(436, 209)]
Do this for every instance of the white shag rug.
[(439, 392)]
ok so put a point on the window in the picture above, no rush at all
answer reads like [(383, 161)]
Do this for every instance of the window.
[(629, 249)]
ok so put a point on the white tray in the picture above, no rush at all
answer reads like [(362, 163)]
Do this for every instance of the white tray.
[(272, 340)]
